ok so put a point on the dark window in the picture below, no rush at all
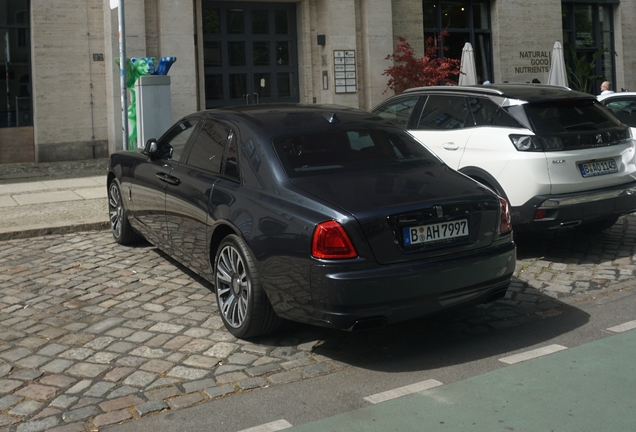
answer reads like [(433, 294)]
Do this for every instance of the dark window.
[(581, 116), (261, 53), (349, 150), (444, 112), (624, 110), (211, 21), (263, 85), (487, 113), (238, 84), (207, 151), (588, 29), (235, 21), (260, 22), (398, 111), (236, 53), (250, 53), (281, 22), (214, 87), (174, 142), (465, 21), (212, 53), (15, 63)]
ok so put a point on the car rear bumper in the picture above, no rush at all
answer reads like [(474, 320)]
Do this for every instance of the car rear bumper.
[(577, 208), (349, 299)]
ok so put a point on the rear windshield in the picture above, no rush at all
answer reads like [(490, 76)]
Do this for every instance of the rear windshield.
[(338, 151), (568, 116)]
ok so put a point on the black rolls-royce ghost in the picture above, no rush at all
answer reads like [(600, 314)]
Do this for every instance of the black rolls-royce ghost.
[(325, 215)]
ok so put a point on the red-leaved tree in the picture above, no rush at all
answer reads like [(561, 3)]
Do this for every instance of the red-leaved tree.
[(409, 71)]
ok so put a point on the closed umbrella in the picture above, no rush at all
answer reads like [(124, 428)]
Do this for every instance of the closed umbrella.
[(467, 67), (558, 74)]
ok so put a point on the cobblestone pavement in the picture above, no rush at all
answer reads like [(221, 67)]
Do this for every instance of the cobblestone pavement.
[(93, 333)]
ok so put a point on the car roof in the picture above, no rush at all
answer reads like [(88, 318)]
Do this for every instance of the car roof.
[(616, 95), (525, 92), (278, 119)]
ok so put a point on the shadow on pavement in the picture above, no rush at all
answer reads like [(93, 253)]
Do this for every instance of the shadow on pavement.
[(455, 337), (526, 317)]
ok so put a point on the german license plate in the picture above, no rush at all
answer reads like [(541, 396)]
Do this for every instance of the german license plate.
[(590, 169), (435, 232)]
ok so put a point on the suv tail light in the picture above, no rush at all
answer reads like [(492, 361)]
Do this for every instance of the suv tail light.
[(533, 143), (505, 222), (331, 242)]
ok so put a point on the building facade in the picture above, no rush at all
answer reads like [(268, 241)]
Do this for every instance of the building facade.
[(60, 92)]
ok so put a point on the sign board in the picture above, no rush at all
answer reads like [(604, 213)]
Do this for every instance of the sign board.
[(344, 64)]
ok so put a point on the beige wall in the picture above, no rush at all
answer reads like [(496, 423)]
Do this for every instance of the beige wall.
[(68, 86), (524, 26), (625, 28), (408, 22)]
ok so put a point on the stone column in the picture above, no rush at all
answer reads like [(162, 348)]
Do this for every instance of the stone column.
[(176, 29)]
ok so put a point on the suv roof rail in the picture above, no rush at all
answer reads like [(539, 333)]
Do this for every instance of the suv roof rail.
[(467, 89), (494, 89)]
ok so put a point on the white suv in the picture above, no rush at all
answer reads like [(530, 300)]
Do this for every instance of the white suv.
[(557, 155)]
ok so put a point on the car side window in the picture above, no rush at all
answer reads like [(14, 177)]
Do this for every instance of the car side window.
[(624, 110), (173, 143), (445, 112), (487, 113), (209, 146), (398, 111)]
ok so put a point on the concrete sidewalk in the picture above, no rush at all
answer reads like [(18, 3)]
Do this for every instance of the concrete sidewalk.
[(55, 197)]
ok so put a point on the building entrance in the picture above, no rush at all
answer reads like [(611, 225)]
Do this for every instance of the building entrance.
[(250, 53)]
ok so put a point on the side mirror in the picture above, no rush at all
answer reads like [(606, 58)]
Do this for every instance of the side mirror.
[(150, 149)]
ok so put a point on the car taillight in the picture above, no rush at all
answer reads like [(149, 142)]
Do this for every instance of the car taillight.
[(505, 223), (533, 143), (331, 242)]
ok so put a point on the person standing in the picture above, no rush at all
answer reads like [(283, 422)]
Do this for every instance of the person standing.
[(606, 87)]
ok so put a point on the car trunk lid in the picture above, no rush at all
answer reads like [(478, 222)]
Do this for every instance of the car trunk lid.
[(412, 214)]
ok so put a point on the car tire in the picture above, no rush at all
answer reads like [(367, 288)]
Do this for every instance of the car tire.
[(243, 304), (120, 227), (598, 226)]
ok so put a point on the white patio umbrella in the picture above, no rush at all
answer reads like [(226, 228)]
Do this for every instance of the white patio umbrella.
[(558, 74), (467, 66)]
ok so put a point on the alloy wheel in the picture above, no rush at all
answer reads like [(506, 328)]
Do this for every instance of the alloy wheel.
[(115, 210), (233, 286)]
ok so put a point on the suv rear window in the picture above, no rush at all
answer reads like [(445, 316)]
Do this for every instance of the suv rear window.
[(350, 150), (568, 116)]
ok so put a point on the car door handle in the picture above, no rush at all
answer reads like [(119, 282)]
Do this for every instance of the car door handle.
[(450, 146), (168, 178), (172, 180)]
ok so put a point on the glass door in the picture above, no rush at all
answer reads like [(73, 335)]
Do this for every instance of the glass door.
[(249, 53)]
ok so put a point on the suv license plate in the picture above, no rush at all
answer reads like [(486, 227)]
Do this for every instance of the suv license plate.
[(435, 232), (590, 169)]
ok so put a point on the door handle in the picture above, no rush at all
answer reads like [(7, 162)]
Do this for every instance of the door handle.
[(450, 146), (168, 178), (172, 180)]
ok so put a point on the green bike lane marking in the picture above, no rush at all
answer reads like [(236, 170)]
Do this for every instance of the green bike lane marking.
[(587, 388)]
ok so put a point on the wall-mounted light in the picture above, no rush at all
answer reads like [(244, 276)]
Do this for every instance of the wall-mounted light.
[(322, 40)]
